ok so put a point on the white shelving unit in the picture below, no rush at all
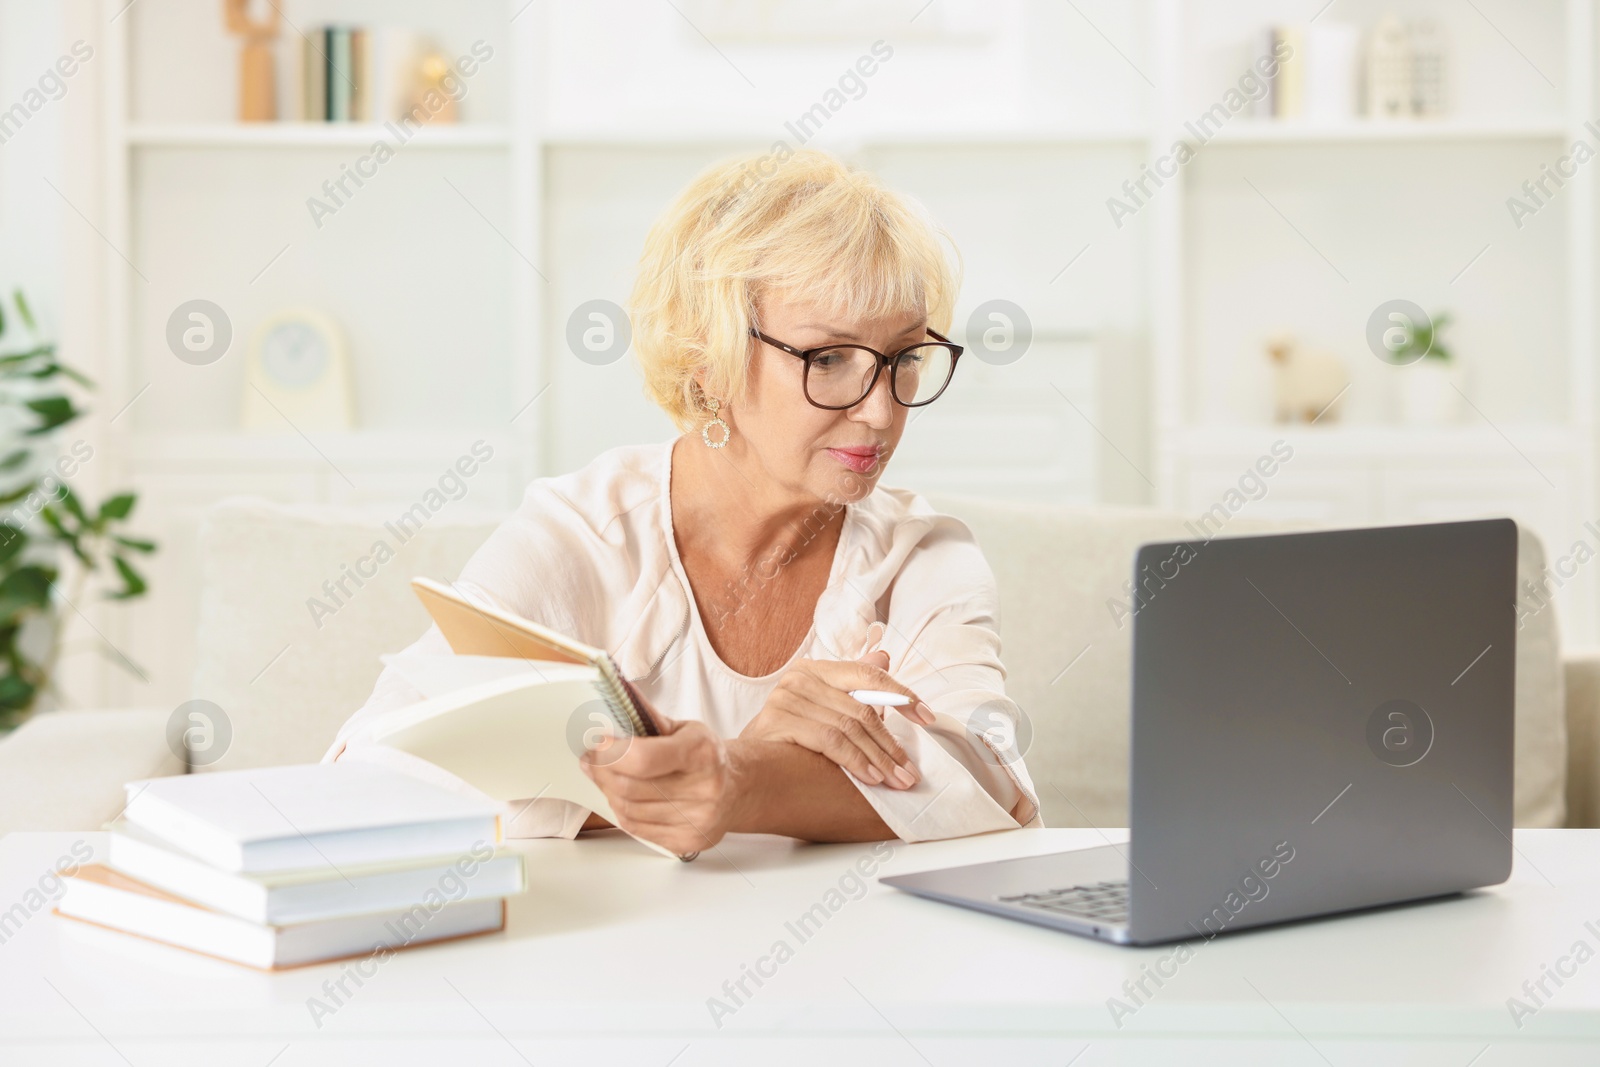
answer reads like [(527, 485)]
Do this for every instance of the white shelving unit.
[(1417, 130), (195, 202), (176, 186), (904, 136), (1520, 449), (310, 135), (1137, 389)]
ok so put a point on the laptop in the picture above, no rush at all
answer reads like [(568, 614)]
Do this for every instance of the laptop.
[(1321, 722)]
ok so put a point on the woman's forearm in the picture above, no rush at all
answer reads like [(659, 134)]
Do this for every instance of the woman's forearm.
[(782, 788)]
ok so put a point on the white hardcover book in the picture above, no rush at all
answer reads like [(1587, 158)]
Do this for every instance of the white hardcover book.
[(312, 80), (1258, 50), (309, 815), (1288, 97), (99, 895), (281, 897), (1331, 72), (396, 59)]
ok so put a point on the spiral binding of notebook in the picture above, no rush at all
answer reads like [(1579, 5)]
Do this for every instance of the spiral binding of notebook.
[(619, 699), (626, 712), (478, 629)]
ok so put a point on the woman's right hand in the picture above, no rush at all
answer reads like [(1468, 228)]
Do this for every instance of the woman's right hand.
[(811, 706)]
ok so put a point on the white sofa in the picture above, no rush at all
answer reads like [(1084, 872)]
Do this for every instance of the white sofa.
[(286, 680)]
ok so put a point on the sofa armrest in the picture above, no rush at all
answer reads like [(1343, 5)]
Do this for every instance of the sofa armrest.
[(64, 770), (1582, 670)]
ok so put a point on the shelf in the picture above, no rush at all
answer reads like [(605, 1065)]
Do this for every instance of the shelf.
[(312, 135), (1375, 440), (361, 135), (356, 446), (669, 134), (1298, 132)]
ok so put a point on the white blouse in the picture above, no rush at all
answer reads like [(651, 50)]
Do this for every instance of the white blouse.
[(592, 554)]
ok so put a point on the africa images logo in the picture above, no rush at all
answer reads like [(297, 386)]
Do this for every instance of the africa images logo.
[(1399, 733)]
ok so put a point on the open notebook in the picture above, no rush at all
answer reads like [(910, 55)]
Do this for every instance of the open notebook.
[(513, 709), (477, 630)]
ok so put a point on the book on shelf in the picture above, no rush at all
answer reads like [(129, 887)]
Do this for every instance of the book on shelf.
[(340, 73), (356, 74), (104, 897), (1289, 87), (356, 51)]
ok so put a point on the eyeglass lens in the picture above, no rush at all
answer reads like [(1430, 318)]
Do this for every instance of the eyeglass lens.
[(841, 377)]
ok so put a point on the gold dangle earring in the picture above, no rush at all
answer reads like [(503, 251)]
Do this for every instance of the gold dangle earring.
[(711, 405)]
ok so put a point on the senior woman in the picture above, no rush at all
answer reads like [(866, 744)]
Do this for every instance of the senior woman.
[(751, 572)]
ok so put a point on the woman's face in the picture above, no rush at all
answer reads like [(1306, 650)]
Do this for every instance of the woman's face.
[(813, 452)]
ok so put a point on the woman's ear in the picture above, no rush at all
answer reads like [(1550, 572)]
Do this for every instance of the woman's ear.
[(697, 385), (699, 395)]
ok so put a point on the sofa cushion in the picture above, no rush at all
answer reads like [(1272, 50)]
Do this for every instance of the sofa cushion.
[(63, 770), (288, 659), (287, 679), (1069, 664)]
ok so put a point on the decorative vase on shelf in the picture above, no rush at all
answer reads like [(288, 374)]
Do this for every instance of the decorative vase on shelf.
[(1430, 393), (1389, 70), (1428, 69), (1431, 387), (1307, 382), (257, 80)]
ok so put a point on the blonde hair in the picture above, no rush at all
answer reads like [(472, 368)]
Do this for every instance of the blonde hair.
[(799, 224)]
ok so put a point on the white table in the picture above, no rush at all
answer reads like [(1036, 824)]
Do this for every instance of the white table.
[(612, 955)]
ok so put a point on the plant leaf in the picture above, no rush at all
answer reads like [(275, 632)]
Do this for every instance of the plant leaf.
[(15, 692), (37, 352), (134, 543), (52, 519), (15, 459), (133, 582), (12, 541), (23, 310), (71, 538), (26, 588), (119, 506), (53, 410), (19, 492), (70, 501), (76, 375), (51, 369)]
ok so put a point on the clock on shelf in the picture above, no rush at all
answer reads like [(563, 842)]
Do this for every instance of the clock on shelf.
[(297, 375)]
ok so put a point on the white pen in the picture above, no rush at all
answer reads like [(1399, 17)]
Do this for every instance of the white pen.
[(878, 698)]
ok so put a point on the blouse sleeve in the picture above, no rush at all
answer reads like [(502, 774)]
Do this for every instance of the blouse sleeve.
[(525, 568), (943, 639)]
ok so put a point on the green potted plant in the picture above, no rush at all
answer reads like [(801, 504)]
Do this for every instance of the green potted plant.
[(54, 549), (1429, 393)]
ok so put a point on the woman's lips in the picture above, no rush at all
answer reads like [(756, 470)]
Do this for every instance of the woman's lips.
[(860, 460)]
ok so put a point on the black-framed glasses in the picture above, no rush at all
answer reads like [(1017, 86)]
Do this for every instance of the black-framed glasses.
[(841, 376)]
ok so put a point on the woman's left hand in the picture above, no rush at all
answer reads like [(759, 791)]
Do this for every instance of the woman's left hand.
[(676, 789)]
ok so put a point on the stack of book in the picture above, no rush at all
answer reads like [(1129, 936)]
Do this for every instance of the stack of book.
[(284, 866), (352, 74)]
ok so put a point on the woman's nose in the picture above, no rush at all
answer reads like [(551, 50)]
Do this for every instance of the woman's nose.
[(877, 407)]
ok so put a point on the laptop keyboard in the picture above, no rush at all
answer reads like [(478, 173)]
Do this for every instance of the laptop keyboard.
[(1105, 902)]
